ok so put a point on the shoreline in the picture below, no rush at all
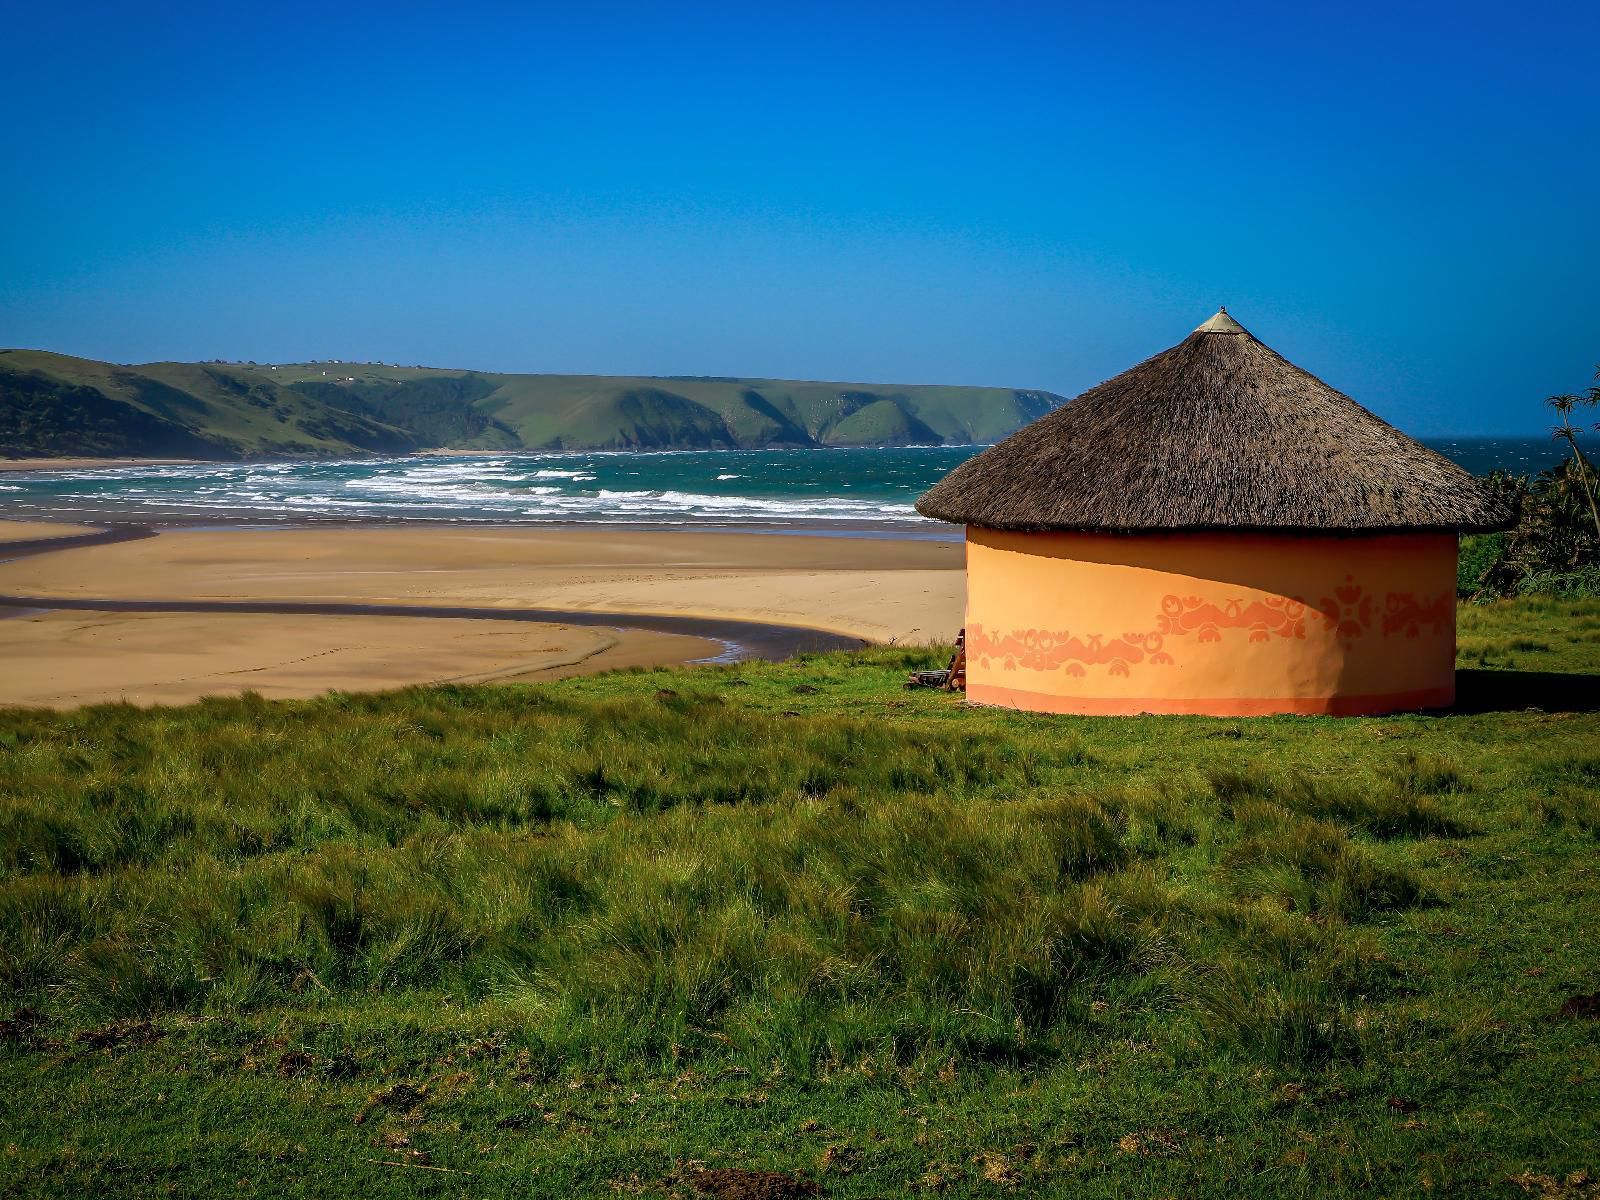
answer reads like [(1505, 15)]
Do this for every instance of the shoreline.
[(89, 463), (858, 496), (925, 530)]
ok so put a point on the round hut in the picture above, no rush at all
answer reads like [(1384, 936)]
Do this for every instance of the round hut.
[(1214, 531)]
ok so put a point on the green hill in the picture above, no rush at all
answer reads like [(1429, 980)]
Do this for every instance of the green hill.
[(53, 404)]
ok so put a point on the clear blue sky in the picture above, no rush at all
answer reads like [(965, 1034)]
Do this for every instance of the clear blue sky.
[(1403, 198)]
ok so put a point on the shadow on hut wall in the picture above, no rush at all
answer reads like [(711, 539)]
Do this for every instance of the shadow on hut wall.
[(1487, 691)]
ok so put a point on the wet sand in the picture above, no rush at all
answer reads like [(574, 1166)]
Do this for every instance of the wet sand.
[(877, 589), (874, 588)]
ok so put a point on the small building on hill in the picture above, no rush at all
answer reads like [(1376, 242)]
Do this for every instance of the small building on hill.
[(1214, 531)]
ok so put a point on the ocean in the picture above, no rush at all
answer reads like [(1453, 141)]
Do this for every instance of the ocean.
[(750, 489)]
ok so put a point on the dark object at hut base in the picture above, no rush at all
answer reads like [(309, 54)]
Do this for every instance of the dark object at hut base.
[(951, 679)]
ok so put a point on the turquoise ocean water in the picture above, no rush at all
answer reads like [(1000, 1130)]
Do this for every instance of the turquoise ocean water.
[(775, 489)]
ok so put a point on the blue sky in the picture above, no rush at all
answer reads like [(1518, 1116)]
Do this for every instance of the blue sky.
[(1400, 197)]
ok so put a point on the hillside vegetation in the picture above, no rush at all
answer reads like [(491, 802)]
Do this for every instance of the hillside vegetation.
[(56, 405), (654, 933)]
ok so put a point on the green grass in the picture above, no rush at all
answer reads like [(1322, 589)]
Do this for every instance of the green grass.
[(1531, 633), (593, 937)]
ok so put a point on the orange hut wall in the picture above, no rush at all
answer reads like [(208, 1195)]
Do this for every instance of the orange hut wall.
[(1217, 624)]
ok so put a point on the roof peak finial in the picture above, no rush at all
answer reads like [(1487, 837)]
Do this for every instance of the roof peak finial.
[(1221, 323)]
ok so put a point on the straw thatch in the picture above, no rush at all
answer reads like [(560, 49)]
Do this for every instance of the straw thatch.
[(1218, 432)]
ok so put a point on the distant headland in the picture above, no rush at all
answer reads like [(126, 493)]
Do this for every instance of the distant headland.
[(58, 405)]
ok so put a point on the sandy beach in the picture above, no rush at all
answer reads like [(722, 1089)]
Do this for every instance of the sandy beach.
[(64, 659), (87, 464), (876, 589)]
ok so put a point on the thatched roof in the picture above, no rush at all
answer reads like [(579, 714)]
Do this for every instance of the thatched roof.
[(1218, 432)]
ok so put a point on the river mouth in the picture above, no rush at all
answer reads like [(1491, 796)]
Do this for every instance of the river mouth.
[(741, 640)]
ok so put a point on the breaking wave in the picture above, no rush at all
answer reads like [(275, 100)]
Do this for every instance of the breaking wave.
[(746, 488)]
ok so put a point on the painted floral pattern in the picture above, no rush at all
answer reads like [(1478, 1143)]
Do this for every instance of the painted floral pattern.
[(1404, 613), (1047, 650), (1182, 615), (1349, 611)]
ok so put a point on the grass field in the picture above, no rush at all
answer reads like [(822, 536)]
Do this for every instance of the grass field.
[(639, 933)]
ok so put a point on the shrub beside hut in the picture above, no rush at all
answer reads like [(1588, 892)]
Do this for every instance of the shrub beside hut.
[(1214, 531)]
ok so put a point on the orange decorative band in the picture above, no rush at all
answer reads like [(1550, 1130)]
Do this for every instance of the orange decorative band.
[(1041, 650), (1348, 614), (1182, 615), (1227, 706)]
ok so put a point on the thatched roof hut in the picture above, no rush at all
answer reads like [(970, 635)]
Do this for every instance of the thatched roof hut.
[(1213, 532), (1219, 432)]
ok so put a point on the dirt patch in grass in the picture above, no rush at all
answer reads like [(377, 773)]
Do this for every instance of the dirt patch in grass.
[(401, 1097), (1582, 1008), (20, 1025), (294, 1063), (1579, 1185), (120, 1033), (732, 1183)]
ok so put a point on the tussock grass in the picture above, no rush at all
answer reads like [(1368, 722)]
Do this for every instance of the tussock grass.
[(631, 868), (1531, 633), (1403, 801), (595, 930), (864, 895), (237, 779), (1569, 790)]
